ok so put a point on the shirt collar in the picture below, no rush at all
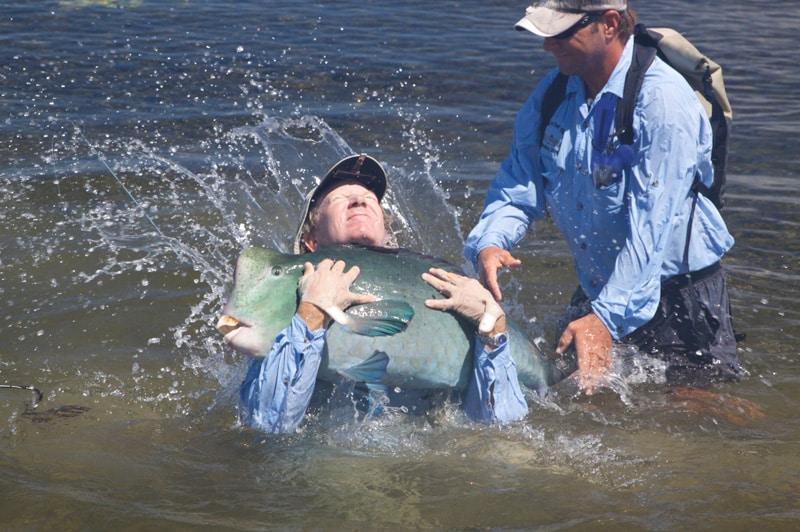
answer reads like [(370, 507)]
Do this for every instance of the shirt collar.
[(616, 83)]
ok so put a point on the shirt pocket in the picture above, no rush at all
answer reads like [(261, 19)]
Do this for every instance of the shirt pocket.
[(610, 199), (553, 157)]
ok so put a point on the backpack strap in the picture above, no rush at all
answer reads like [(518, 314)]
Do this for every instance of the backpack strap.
[(720, 124), (705, 77), (552, 100), (644, 52)]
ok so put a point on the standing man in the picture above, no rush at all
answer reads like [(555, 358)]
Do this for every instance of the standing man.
[(647, 258)]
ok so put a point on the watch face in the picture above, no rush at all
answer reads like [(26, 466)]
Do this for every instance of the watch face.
[(495, 341)]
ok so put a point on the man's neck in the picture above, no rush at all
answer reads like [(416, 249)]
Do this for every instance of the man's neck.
[(595, 81)]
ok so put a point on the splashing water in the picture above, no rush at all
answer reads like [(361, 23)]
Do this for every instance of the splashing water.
[(146, 225)]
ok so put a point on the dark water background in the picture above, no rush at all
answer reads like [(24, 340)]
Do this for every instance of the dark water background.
[(145, 143)]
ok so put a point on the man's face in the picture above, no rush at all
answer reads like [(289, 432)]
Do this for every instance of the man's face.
[(582, 52), (348, 214)]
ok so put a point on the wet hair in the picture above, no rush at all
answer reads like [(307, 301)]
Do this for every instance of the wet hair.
[(627, 21)]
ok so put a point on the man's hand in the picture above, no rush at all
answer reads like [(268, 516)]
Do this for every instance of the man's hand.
[(467, 297), (490, 260), (593, 344), (328, 288)]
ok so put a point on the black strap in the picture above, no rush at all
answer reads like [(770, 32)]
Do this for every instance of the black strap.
[(552, 100), (644, 52)]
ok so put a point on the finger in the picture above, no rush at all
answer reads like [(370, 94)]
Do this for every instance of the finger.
[(351, 275), (439, 304), (454, 278), (510, 262), (587, 383), (360, 299), (437, 283), (487, 323), (493, 286), (564, 342), (308, 269), (447, 278), (324, 265), (490, 316), (439, 273)]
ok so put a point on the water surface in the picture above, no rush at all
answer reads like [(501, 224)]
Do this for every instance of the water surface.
[(147, 143)]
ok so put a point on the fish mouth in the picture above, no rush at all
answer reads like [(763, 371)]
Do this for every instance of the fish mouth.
[(230, 327)]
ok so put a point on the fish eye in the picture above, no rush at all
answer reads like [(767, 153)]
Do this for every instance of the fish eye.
[(276, 271)]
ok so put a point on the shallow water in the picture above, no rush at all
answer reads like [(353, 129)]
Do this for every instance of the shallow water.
[(147, 143)]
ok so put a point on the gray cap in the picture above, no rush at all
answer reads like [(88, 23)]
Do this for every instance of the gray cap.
[(551, 17), (361, 169)]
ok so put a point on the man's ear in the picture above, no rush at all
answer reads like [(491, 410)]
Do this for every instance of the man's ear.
[(310, 242), (611, 19)]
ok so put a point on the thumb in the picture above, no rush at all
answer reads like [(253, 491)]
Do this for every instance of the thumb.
[(564, 342), (487, 323), (360, 299), (513, 264), (490, 316)]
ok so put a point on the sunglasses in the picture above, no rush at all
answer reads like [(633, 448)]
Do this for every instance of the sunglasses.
[(588, 18)]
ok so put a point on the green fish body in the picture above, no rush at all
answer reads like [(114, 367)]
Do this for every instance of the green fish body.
[(408, 344)]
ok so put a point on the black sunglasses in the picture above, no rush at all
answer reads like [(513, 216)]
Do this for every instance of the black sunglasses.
[(588, 18)]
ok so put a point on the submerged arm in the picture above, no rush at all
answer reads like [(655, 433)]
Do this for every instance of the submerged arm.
[(277, 390)]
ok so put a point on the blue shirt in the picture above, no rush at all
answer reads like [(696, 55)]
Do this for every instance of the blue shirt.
[(277, 389), (627, 235)]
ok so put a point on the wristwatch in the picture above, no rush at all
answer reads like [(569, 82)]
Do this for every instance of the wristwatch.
[(493, 341)]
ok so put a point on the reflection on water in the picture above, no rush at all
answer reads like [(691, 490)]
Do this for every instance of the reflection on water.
[(148, 143)]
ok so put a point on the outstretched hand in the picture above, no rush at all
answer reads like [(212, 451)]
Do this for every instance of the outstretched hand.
[(490, 261), (465, 296), (328, 288)]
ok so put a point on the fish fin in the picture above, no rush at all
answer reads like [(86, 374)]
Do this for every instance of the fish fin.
[(369, 371), (379, 318)]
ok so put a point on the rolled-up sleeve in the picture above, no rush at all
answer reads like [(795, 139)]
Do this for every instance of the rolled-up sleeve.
[(277, 389), (494, 393)]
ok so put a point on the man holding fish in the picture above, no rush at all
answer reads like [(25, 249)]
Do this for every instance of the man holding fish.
[(345, 208)]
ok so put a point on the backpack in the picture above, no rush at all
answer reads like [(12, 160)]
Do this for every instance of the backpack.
[(702, 74)]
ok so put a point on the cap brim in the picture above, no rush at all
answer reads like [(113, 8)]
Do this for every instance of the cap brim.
[(546, 22), (369, 173)]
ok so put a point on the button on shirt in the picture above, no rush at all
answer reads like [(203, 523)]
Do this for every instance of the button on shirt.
[(628, 236)]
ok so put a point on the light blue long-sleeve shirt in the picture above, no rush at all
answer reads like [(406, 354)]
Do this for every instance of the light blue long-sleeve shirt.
[(627, 237), (278, 388)]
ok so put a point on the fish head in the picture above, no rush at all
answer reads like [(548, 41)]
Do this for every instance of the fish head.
[(263, 299)]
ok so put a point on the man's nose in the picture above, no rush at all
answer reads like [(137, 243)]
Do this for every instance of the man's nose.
[(357, 199)]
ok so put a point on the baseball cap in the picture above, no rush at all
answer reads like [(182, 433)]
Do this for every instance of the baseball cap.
[(361, 169), (551, 17)]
